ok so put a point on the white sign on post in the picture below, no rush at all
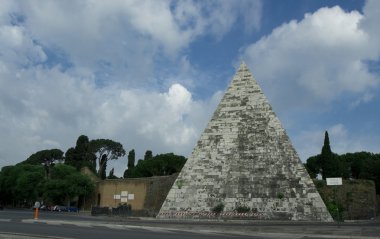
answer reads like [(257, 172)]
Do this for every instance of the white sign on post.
[(334, 181)]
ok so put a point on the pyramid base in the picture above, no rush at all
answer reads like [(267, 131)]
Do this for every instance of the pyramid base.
[(233, 215)]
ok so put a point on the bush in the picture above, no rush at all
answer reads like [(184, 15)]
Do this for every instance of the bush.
[(242, 209), (335, 209), (218, 208), (280, 195), (319, 183)]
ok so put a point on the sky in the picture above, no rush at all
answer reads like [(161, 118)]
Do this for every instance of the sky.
[(149, 74)]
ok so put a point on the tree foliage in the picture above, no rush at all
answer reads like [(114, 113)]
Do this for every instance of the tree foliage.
[(328, 161), (111, 149), (81, 155), (103, 167), (131, 159), (159, 165), (131, 163), (66, 183), (21, 184), (148, 155), (360, 165), (111, 175), (47, 156)]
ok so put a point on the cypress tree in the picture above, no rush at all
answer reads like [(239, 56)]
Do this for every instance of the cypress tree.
[(131, 159), (329, 161), (325, 155)]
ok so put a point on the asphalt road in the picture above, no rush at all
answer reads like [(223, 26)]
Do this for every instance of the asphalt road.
[(21, 224), (41, 230), (79, 225)]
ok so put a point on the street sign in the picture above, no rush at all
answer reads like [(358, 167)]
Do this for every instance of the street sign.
[(334, 181)]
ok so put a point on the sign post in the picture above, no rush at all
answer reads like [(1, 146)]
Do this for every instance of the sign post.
[(335, 182), (36, 206)]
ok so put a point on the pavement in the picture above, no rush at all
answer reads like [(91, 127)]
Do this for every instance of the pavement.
[(270, 229)]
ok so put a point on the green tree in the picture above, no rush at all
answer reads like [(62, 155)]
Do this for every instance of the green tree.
[(148, 155), (328, 160), (81, 155), (113, 150), (131, 159), (47, 158), (21, 184), (159, 165), (131, 163), (111, 175), (43, 157), (313, 166), (67, 183), (103, 165)]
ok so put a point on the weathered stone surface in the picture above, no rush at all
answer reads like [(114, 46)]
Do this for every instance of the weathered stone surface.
[(244, 158)]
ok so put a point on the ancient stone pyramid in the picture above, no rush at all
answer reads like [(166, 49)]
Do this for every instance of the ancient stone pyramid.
[(244, 159)]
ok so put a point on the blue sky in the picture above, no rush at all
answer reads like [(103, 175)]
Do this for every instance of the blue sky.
[(149, 74)]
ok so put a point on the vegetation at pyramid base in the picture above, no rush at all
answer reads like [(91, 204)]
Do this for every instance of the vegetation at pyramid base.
[(159, 165), (218, 208), (353, 200)]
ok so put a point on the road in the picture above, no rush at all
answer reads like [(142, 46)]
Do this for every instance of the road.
[(20, 224), (74, 225)]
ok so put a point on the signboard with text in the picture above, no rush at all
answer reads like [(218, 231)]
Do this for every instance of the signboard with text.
[(334, 181)]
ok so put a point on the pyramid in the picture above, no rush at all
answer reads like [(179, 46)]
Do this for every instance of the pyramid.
[(244, 159)]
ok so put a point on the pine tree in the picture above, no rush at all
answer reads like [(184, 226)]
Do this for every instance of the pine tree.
[(103, 167), (148, 155)]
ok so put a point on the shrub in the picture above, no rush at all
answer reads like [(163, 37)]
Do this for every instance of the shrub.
[(218, 208), (280, 195), (335, 209), (242, 209)]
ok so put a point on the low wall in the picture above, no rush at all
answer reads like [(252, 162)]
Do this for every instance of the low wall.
[(145, 195)]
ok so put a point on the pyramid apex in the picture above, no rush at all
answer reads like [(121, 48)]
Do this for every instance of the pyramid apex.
[(243, 65)]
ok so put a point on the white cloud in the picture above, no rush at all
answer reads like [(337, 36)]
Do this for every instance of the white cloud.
[(18, 47), (52, 109), (120, 40), (79, 67), (316, 59), (370, 24)]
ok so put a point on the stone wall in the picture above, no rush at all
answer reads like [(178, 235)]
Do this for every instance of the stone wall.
[(143, 194)]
